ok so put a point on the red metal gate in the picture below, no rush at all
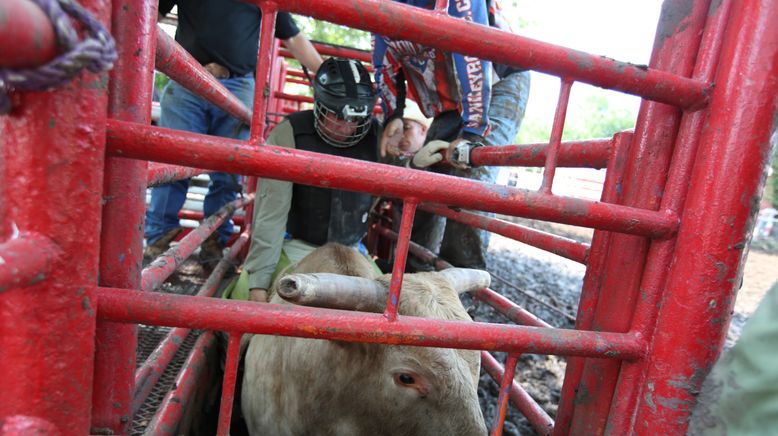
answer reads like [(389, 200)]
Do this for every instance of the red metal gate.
[(678, 206)]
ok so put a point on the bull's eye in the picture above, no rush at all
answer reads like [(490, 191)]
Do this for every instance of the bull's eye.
[(406, 379)]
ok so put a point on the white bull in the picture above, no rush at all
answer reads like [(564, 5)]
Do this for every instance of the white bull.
[(296, 386)]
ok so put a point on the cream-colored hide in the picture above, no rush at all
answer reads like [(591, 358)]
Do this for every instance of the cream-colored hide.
[(298, 386)]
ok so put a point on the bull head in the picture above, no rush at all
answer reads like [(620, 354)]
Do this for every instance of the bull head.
[(337, 291)]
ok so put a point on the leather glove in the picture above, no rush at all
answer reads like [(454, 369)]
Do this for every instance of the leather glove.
[(391, 136), (429, 154)]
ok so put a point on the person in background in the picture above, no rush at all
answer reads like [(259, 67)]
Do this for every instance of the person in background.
[(223, 36), (452, 89), (291, 220)]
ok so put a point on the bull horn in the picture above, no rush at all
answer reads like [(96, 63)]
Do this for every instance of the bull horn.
[(334, 291), (467, 280)]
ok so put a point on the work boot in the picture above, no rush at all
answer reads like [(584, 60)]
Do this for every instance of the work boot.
[(211, 252), (161, 245)]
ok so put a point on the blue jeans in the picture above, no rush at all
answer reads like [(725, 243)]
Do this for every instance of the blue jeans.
[(183, 110), (461, 244)]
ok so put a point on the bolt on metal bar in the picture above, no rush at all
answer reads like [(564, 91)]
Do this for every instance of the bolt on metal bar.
[(179, 65), (591, 153), (537, 417), (161, 268), (400, 256), (228, 384), (160, 174), (558, 245), (556, 135), (222, 154), (399, 21), (505, 388), (26, 260)]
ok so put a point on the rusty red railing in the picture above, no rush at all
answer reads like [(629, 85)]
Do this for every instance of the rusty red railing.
[(76, 171)]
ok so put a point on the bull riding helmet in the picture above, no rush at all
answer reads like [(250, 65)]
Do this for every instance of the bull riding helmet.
[(343, 88)]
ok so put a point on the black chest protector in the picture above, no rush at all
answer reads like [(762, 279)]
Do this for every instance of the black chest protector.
[(319, 215)]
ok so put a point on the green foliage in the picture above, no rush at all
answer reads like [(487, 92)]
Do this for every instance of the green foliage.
[(160, 81), (592, 117), (324, 31), (771, 193)]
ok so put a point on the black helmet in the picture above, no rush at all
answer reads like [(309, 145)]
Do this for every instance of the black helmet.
[(344, 89)]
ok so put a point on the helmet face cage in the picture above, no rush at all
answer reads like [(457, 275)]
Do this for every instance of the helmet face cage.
[(330, 135), (343, 93)]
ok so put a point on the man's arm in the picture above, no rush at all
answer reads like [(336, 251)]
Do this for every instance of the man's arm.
[(390, 82), (302, 50), (475, 75), (271, 208)]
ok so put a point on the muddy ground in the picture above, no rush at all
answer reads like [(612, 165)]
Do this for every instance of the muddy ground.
[(557, 281)]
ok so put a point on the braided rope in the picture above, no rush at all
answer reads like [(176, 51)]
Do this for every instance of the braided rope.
[(96, 52)]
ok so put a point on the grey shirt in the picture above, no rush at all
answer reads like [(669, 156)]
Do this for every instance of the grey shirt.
[(272, 202)]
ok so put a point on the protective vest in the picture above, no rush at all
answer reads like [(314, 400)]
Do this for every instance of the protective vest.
[(320, 215)]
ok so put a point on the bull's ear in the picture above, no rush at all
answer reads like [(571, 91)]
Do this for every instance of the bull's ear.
[(334, 291), (466, 280)]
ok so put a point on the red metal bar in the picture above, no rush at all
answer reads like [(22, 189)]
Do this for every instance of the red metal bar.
[(155, 274), (556, 135), (159, 174), (660, 253), (20, 425), (706, 270), (678, 39), (293, 97), (194, 215), (293, 72), (222, 154), (558, 245), (149, 372), (228, 385), (339, 51), (28, 39), (179, 65), (537, 417), (511, 310), (26, 260), (505, 389), (264, 58), (507, 308), (298, 81), (170, 412), (121, 238), (455, 35), (592, 282), (54, 150), (587, 154), (400, 256), (124, 305)]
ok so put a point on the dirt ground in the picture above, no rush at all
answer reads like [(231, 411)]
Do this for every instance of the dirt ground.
[(557, 281)]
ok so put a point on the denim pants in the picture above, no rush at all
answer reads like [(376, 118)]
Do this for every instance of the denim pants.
[(459, 243), (183, 110)]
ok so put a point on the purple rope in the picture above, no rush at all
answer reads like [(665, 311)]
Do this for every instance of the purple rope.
[(96, 52)]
